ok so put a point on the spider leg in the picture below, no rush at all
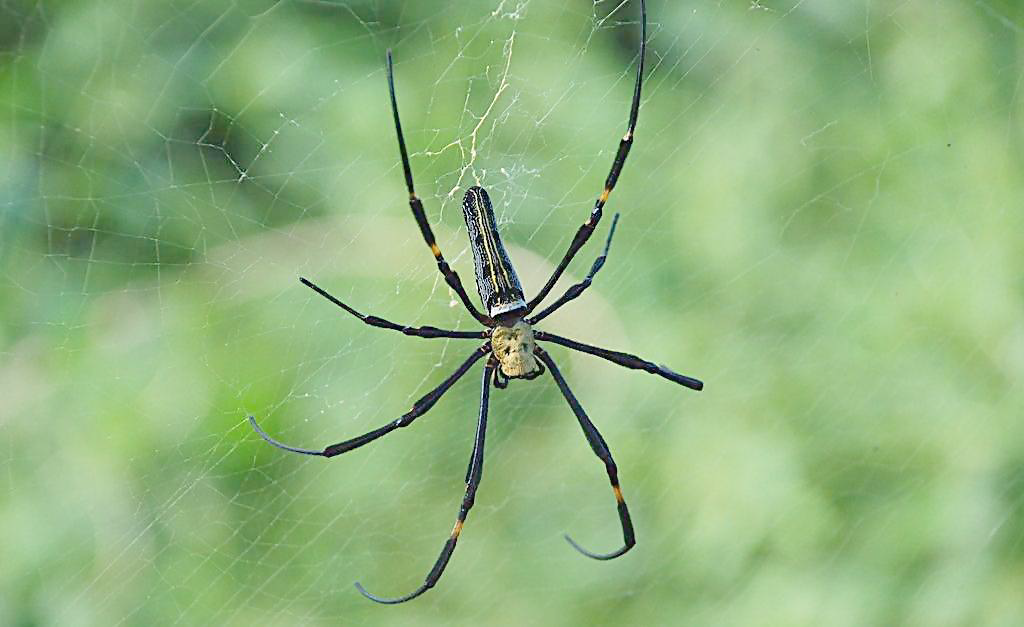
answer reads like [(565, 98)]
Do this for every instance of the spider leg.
[(600, 449), (476, 467), (450, 276), (585, 231), (500, 380), (623, 359), (374, 321), (576, 290), (419, 408)]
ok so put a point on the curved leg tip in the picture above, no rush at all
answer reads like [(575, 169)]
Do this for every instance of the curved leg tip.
[(263, 434), (384, 601), (598, 556), (258, 429)]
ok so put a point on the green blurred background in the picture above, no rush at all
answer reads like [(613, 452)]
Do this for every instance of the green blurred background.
[(821, 218)]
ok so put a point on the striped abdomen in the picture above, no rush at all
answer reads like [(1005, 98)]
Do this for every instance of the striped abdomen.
[(496, 280)]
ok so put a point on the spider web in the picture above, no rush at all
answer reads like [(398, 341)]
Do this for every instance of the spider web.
[(820, 218)]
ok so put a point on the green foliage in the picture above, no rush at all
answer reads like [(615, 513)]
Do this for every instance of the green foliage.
[(821, 218)]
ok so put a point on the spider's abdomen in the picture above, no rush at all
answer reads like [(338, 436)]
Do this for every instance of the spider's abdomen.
[(513, 347), (496, 279)]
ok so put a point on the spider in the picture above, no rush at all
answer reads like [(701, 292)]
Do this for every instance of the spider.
[(511, 343)]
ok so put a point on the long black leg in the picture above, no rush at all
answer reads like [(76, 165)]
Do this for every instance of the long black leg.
[(476, 468), (450, 276), (585, 231), (374, 321), (419, 408), (576, 290), (623, 359), (600, 448)]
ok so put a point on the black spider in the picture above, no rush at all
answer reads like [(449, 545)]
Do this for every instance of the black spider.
[(510, 346)]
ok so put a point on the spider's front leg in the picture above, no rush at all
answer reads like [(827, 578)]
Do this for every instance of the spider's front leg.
[(473, 476), (600, 448), (419, 408)]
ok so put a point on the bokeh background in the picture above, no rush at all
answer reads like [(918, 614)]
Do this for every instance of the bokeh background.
[(821, 218)]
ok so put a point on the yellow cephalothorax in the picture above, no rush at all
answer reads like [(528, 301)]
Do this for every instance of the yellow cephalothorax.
[(513, 346)]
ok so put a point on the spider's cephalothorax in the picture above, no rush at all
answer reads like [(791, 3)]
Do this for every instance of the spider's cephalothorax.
[(510, 342), (513, 347)]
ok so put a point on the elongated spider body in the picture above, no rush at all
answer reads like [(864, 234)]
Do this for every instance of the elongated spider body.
[(511, 344), (496, 279), (512, 341)]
